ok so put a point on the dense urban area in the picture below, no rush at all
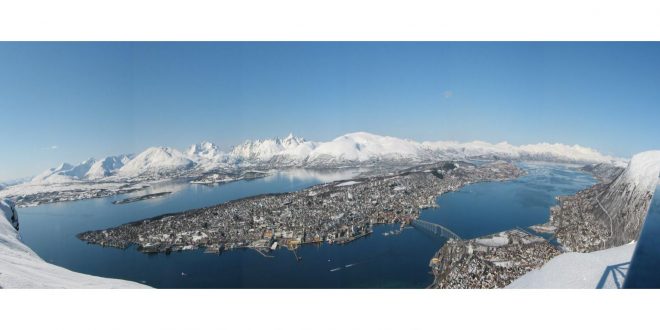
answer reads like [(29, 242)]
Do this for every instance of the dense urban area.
[(488, 262)]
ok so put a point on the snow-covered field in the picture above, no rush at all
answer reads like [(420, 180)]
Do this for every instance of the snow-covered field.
[(603, 269), (496, 240), (20, 267)]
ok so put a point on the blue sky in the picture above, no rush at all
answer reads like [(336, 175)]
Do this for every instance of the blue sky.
[(70, 101)]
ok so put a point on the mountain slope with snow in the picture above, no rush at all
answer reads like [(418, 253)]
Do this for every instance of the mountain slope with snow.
[(55, 174), (610, 213), (290, 150), (352, 149), (155, 160), (107, 166), (88, 169), (363, 147), (627, 200), (562, 152), (20, 267)]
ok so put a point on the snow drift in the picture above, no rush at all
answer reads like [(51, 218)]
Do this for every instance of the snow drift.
[(20, 267)]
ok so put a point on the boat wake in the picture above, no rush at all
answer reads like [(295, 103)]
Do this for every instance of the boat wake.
[(344, 267)]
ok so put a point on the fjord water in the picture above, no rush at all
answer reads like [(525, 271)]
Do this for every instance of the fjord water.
[(486, 208), (377, 261)]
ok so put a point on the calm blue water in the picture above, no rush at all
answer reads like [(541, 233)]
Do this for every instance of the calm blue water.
[(485, 208), (377, 261)]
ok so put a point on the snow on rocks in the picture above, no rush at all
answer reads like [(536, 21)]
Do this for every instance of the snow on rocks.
[(20, 267)]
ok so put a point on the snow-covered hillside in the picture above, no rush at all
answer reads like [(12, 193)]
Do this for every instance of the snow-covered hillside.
[(628, 198), (62, 173), (641, 173), (362, 147), (554, 152), (288, 150), (89, 169), (107, 166), (365, 147), (605, 269), (20, 267), (291, 151), (156, 159), (205, 151)]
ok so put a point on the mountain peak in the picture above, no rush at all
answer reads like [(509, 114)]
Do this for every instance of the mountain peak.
[(349, 149), (156, 159)]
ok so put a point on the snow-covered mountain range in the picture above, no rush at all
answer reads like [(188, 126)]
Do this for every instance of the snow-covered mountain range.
[(88, 170), (347, 150)]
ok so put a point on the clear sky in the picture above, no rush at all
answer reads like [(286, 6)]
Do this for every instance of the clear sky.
[(71, 101)]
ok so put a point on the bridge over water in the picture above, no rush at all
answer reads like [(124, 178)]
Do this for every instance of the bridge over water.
[(434, 228)]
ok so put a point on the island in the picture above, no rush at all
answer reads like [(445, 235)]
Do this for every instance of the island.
[(141, 198), (335, 213)]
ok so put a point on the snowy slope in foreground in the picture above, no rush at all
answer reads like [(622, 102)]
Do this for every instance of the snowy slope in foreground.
[(600, 269), (20, 267)]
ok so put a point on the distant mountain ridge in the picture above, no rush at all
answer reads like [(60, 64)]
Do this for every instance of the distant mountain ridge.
[(352, 149)]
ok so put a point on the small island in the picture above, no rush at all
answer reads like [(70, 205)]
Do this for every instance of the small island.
[(141, 198)]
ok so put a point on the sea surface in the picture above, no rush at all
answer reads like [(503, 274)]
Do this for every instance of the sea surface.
[(384, 259)]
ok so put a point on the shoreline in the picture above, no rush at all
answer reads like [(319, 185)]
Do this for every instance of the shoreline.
[(316, 192)]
